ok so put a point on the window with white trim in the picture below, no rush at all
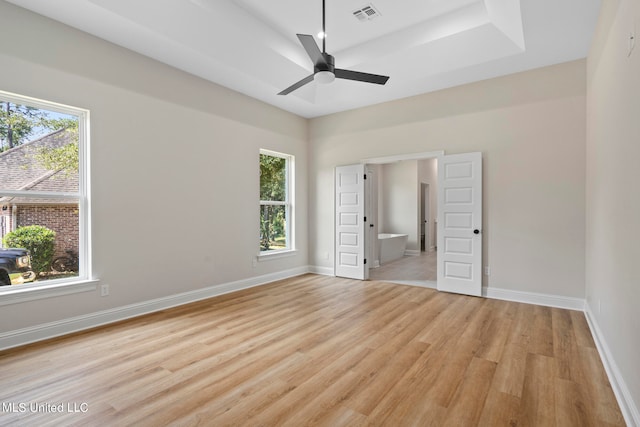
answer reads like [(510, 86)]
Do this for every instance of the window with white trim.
[(276, 202), (43, 193)]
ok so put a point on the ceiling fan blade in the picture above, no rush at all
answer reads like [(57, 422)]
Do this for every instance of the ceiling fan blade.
[(298, 85), (361, 77), (309, 44)]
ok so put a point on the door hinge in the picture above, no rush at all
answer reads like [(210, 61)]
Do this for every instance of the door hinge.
[(365, 176), (365, 219), (365, 261)]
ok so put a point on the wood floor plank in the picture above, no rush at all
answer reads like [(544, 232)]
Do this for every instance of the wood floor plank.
[(469, 401), (316, 350), (542, 332), (381, 372), (510, 372), (572, 406), (500, 409), (538, 404)]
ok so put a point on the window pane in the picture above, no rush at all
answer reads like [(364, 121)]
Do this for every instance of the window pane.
[(38, 149), (49, 229), (273, 178), (273, 227), (41, 192)]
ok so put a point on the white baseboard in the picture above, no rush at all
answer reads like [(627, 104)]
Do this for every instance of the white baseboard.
[(411, 252), (419, 283), (534, 298), (494, 293), (324, 271), (625, 401), (66, 326)]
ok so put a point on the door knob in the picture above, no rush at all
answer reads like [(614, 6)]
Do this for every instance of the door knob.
[(476, 231)]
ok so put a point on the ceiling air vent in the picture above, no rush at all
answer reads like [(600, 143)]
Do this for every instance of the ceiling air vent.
[(366, 13)]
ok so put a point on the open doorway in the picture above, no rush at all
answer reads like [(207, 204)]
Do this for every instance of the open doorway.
[(403, 209), (459, 233)]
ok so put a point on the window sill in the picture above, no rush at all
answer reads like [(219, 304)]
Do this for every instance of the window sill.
[(276, 255), (17, 296)]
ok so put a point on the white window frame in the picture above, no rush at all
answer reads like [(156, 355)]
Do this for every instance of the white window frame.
[(288, 203), (83, 282)]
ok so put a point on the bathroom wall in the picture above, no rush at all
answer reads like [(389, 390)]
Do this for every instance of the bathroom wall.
[(428, 174), (400, 208)]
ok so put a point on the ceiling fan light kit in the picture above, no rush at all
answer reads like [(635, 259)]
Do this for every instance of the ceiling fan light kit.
[(324, 70), (324, 77)]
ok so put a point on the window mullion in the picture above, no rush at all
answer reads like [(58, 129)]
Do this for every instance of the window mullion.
[(39, 194)]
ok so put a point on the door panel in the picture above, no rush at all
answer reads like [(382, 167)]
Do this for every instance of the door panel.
[(350, 242), (460, 225)]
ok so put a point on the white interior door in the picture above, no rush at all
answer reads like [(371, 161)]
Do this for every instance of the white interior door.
[(350, 251), (460, 223)]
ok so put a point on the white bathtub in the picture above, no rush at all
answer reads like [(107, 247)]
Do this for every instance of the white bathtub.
[(391, 246)]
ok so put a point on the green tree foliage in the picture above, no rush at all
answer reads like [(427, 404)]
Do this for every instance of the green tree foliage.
[(273, 187), (64, 158), (273, 178), (38, 240), (17, 123)]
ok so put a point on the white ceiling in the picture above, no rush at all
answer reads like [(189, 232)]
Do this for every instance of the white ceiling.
[(423, 45)]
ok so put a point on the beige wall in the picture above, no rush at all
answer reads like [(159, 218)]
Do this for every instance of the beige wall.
[(530, 128), (174, 166), (613, 199)]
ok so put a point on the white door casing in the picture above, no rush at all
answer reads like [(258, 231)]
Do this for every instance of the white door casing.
[(350, 240), (460, 223), (371, 212)]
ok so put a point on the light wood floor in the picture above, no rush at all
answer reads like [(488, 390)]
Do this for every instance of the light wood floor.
[(410, 269), (316, 350)]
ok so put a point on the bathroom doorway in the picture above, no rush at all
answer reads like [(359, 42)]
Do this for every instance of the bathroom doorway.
[(403, 209), (459, 205)]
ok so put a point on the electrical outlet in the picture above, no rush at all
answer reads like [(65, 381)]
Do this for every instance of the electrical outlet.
[(104, 290), (487, 270)]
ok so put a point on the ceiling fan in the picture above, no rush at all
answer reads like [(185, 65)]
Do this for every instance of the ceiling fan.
[(324, 70)]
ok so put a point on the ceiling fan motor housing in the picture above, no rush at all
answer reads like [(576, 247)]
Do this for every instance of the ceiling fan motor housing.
[(328, 65)]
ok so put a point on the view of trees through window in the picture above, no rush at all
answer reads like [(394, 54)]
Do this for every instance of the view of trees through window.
[(274, 202), (39, 193)]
